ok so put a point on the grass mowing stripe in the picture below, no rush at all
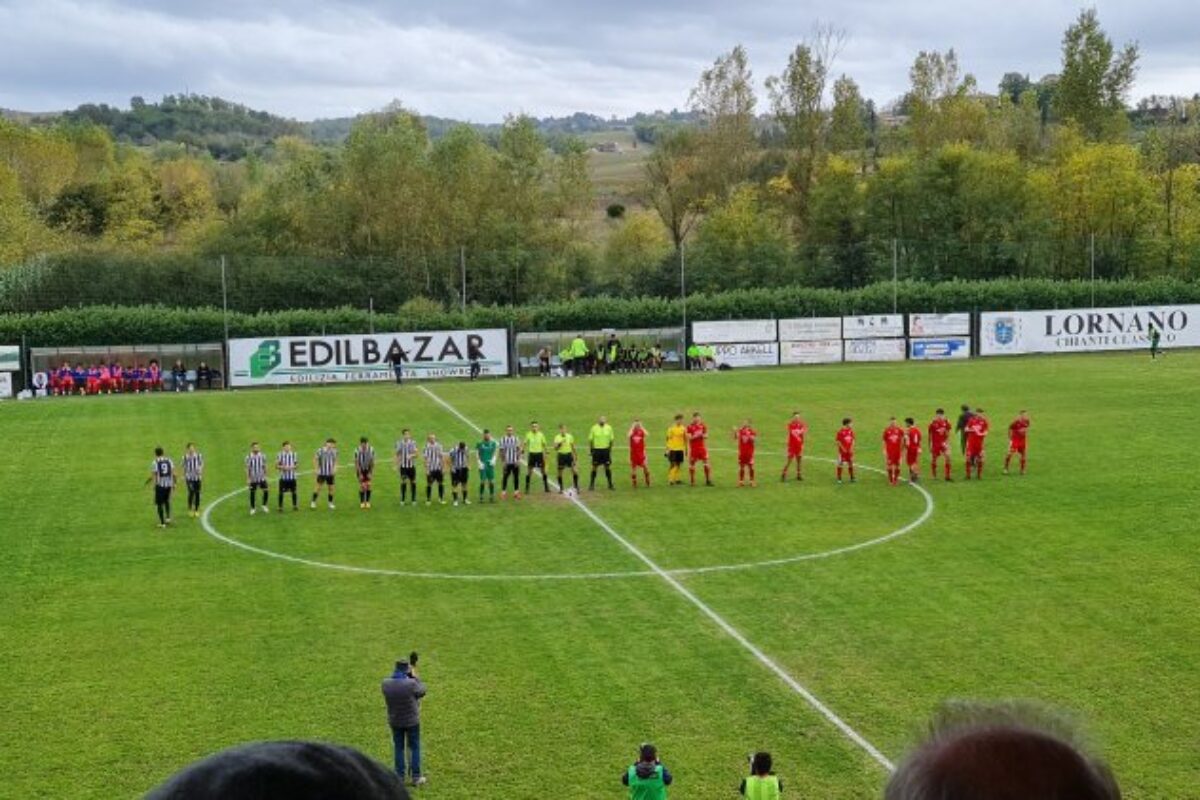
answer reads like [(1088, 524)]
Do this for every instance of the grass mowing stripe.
[(720, 621)]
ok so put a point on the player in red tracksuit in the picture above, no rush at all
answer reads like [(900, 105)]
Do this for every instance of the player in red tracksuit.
[(697, 434), (893, 446), (1018, 434), (746, 436), (637, 452), (939, 443), (912, 449), (977, 431), (845, 444), (797, 429)]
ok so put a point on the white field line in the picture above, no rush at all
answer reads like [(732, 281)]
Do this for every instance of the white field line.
[(849, 732)]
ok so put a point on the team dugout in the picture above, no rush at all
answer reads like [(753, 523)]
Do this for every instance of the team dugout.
[(182, 366), (637, 350)]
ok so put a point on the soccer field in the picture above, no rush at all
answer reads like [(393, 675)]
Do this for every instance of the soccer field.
[(555, 637)]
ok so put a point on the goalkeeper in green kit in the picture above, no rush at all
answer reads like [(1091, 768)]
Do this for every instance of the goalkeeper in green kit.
[(485, 451)]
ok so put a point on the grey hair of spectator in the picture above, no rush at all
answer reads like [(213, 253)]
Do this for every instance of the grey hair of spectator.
[(1010, 751)]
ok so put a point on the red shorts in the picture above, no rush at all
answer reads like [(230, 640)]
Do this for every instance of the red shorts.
[(893, 459), (939, 447), (746, 459), (912, 457), (975, 451), (698, 454), (845, 457), (637, 460), (1017, 446), (795, 450)]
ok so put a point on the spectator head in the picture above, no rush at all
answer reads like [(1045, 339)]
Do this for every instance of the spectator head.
[(283, 770), (760, 763), (647, 752), (1000, 753)]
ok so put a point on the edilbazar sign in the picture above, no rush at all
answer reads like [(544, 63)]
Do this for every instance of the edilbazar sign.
[(289, 360), (1087, 329)]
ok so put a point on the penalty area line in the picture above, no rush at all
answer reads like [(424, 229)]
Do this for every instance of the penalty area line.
[(793, 684)]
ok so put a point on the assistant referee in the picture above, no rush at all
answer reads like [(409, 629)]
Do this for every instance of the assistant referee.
[(600, 440)]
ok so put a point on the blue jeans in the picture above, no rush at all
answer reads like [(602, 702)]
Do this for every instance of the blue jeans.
[(413, 735)]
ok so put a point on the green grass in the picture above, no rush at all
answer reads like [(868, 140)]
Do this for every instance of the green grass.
[(128, 652)]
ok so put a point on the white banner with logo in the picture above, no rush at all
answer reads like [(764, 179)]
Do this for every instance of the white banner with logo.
[(10, 359), (875, 350), (825, 351), (288, 360), (939, 325), (811, 329), (944, 349), (730, 331), (877, 326), (747, 354), (6, 384), (1082, 330)]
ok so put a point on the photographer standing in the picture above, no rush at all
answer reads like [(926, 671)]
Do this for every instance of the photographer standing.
[(403, 692), (648, 779)]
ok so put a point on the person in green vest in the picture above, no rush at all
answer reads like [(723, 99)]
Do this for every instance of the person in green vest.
[(693, 356), (579, 352), (564, 358), (762, 783), (600, 440), (710, 357), (648, 779)]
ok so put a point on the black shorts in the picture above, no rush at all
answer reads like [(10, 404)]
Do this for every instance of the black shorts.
[(458, 476), (193, 486), (433, 476), (287, 485), (566, 460), (327, 479), (408, 474), (601, 456), (537, 461), (364, 475), (512, 469), (258, 485), (162, 495), (674, 456)]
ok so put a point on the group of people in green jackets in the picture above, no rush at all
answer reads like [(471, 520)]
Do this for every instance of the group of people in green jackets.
[(648, 778), (610, 355), (701, 356)]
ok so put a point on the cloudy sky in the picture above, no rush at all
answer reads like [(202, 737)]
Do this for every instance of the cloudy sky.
[(478, 60)]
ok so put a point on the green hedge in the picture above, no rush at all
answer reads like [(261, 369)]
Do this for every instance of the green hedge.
[(102, 325)]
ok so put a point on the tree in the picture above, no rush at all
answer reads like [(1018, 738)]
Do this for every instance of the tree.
[(636, 248), (741, 243), (724, 99), (672, 185), (942, 105), (1013, 85), (847, 121), (1095, 78), (21, 234), (838, 253)]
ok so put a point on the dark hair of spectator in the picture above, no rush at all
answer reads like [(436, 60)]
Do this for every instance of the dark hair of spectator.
[(761, 764)]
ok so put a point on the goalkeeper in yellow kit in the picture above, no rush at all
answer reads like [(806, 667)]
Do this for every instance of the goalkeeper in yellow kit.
[(676, 447)]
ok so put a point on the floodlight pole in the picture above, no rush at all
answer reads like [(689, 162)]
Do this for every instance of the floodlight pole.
[(1092, 259), (462, 264), (683, 298), (895, 270), (225, 316)]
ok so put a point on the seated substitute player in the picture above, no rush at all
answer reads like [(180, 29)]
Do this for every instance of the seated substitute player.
[(510, 453), (193, 476), (535, 450), (460, 472), (564, 448), (485, 454), (1018, 435), (435, 465), (977, 431), (406, 464), (893, 445), (600, 440), (364, 467), (162, 475), (939, 444), (677, 437), (697, 434), (256, 477), (912, 449), (285, 464), (325, 465), (797, 429), (845, 445), (637, 453), (746, 437)]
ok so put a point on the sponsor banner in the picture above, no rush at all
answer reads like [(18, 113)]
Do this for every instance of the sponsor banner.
[(289, 360), (812, 329), (730, 331), (939, 349), (877, 326), (6, 384), (10, 359), (747, 354), (875, 350), (939, 325), (1081, 330), (825, 351)]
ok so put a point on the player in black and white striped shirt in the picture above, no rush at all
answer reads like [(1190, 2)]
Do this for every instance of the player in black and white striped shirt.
[(256, 477), (162, 475), (193, 474), (435, 464), (460, 472), (510, 456), (406, 463), (325, 465), (364, 465), (285, 464)]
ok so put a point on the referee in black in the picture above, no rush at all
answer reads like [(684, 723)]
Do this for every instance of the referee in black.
[(162, 475)]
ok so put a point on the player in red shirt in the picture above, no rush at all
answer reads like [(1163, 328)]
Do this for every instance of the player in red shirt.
[(912, 449), (1018, 433), (745, 437), (977, 430), (893, 445), (637, 452), (845, 443), (797, 429), (697, 434), (939, 443)]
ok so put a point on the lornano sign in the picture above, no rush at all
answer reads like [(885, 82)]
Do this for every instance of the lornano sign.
[(1082, 330)]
